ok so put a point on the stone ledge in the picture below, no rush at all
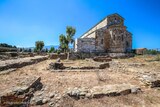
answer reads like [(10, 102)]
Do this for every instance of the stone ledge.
[(18, 63), (101, 91), (21, 95)]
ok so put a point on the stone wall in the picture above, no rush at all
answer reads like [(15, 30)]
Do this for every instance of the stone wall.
[(55, 56), (80, 55), (21, 62), (85, 45), (100, 40), (121, 40), (5, 49)]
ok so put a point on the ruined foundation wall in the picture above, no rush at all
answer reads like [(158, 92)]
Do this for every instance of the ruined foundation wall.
[(79, 55)]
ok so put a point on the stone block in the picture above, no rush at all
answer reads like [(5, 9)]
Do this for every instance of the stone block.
[(104, 66)]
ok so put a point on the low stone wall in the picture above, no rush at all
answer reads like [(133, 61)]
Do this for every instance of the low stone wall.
[(102, 59), (15, 55), (101, 91), (18, 63), (55, 56), (120, 55), (5, 49), (74, 56)]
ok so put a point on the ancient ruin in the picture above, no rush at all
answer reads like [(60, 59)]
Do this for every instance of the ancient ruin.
[(110, 36), (98, 74)]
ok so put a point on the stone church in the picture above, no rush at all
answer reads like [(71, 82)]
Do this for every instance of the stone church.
[(108, 36)]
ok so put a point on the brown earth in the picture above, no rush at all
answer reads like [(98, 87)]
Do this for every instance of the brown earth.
[(120, 71)]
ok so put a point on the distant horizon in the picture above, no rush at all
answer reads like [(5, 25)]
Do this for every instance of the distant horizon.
[(57, 46), (22, 22)]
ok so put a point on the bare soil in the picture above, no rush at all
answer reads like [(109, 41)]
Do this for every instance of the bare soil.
[(121, 71)]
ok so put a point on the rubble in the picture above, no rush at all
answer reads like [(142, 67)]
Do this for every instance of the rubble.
[(150, 81), (56, 66)]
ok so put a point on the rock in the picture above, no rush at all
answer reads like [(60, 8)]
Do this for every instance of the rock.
[(38, 101), (88, 95), (100, 91), (57, 105), (125, 92), (8, 71), (51, 95), (58, 60), (40, 93), (102, 59), (104, 65), (151, 81), (23, 93), (51, 104), (32, 101), (82, 93), (135, 90), (136, 64), (58, 97), (112, 90), (155, 83), (75, 92), (45, 100), (56, 65)]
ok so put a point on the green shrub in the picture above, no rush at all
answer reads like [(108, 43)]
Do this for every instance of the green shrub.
[(39, 45), (151, 52), (58, 51), (52, 50)]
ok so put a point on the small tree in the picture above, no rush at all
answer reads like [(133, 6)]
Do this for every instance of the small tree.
[(70, 32), (39, 45), (52, 49), (63, 43), (68, 39)]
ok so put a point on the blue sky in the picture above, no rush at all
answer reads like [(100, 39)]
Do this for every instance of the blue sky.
[(22, 22)]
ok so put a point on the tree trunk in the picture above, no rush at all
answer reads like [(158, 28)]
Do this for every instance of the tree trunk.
[(67, 55)]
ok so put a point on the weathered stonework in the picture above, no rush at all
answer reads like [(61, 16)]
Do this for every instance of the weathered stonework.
[(110, 35)]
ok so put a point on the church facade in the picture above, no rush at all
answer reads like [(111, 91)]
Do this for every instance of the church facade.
[(110, 36)]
